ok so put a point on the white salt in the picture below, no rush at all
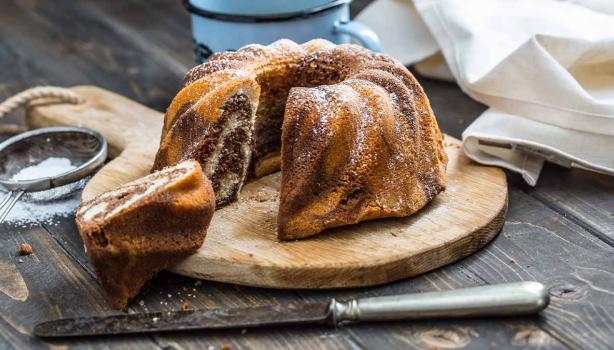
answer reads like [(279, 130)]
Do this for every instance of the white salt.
[(49, 167)]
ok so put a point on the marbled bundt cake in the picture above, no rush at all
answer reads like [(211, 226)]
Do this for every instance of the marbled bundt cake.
[(357, 137), (145, 226)]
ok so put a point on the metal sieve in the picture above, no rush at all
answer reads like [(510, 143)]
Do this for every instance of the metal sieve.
[(84, 148)]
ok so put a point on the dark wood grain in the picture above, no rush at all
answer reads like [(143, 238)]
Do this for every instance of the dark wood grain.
[(560, 232), (581, 196), (68, 44), (537, 244)]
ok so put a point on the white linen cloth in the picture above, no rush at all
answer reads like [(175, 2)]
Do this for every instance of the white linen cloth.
[(544, 67)]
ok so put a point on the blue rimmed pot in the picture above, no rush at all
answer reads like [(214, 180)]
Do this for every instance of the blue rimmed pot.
[(221, 25)]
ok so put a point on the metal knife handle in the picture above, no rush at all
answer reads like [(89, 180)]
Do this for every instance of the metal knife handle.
[(519, 298)]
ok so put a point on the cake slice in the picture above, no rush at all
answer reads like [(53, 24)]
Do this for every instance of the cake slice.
[(221, 141), (145, 226)]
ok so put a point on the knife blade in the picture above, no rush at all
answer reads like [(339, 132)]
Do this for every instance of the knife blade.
[(269, 315), (509, 299)]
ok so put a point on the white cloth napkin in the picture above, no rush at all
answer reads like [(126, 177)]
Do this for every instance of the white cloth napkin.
[(544, 67)]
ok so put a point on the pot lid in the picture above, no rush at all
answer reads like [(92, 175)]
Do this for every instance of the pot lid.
[(260, 8)]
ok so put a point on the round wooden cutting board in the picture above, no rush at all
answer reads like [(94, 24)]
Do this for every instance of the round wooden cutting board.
[(241, 245)]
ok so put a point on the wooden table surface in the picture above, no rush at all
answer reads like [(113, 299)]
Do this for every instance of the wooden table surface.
[(560, 233)]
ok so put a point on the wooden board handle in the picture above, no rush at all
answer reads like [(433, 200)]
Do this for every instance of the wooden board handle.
[(131, 129)]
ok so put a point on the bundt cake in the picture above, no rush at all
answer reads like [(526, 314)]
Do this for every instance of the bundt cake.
[(351, 129), (145, 226)]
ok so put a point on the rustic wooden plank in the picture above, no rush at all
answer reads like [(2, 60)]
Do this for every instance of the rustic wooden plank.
[(584, 197), (282, 338), (158, 29), (462, 334), (68, 45), (537, 244)]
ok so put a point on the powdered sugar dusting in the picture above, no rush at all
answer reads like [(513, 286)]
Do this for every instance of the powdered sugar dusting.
[(45, 207), (51, 166)]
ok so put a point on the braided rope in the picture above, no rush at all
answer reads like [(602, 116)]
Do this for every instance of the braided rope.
[(64, 95)]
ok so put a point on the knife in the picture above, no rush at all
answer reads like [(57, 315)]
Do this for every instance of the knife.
[(509, 299)]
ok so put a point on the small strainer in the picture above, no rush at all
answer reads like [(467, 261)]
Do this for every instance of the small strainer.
[(84, 148)]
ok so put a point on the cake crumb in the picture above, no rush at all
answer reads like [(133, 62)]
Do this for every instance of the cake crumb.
[(25, 249), (185, 307), (262, 197), (226, 347), (513, 261)]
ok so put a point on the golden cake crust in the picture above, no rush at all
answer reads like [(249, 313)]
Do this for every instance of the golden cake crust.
[(388, 163), (352, 131)]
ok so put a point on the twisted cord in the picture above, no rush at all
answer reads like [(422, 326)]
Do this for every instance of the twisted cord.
[(64, 95)]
